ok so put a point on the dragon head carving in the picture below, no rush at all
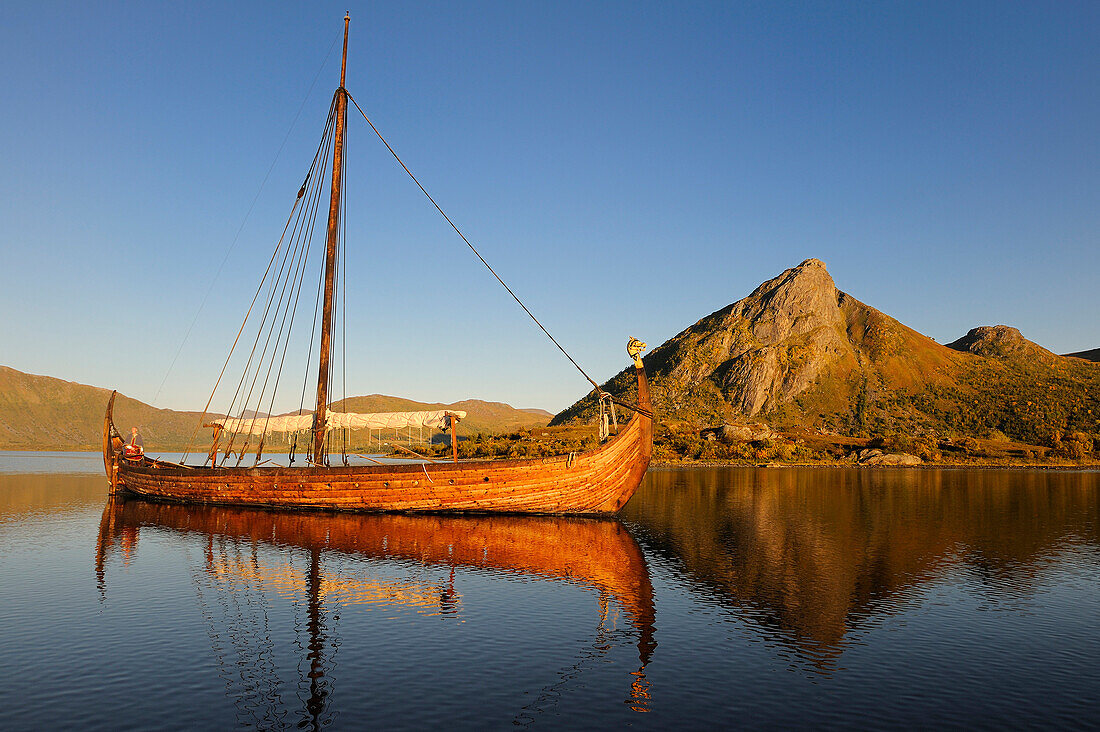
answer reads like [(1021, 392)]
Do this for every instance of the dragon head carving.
[(633, 348)]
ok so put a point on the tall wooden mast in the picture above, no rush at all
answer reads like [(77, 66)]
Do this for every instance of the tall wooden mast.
[(330, 261)]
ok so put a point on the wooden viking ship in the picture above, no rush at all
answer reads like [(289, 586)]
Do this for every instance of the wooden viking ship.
[(598, 481)]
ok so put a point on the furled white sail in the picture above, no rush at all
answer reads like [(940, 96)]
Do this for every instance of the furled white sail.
[(389, 420), (339, 421), (289, 423)]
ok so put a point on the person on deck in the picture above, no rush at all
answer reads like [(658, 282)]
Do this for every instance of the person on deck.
[(136, 447)]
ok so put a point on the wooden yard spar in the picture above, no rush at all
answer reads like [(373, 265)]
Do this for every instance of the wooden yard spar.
[(599, 481)]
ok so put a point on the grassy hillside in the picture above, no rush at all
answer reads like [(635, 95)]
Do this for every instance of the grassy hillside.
[(41, 412)]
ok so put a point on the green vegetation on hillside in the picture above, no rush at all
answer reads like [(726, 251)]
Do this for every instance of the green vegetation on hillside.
[(44, 413)]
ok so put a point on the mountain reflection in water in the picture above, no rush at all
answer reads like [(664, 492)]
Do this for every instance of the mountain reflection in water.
[(811, 554), (235, 583)]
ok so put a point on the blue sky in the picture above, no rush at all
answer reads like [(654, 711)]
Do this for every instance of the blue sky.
[(627, 167)]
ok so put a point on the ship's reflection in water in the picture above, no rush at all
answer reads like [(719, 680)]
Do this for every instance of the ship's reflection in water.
[(811, 558), (245, 565)]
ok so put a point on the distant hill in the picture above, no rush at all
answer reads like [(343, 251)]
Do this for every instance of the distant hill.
[(45, 413), (798, 352), (1093, 355), (1002, 342)]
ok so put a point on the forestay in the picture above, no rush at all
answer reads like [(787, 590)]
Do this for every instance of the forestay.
[(339, 421)]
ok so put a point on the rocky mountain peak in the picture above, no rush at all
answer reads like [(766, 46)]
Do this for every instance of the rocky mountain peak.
[(808, 278), (752, 355), (792, 303), (765, 348)]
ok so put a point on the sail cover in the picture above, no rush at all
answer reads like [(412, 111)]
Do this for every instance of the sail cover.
[(338, 421)]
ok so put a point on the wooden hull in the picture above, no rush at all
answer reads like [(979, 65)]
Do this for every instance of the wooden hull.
[(598, 481)]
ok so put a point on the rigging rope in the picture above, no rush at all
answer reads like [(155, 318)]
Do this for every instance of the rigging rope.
[(205, 409), (600, 392), (343, 289), (300, 278), (297, 233), (248, 213), (290, 309), (312, 183), (472, 247)]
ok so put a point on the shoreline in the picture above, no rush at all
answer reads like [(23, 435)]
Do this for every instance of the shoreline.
[(922, 466), (666, 464)]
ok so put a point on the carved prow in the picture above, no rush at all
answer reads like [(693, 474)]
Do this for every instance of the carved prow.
[(112, 444)]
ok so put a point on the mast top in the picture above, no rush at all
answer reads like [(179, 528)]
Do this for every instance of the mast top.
[(344, 59)]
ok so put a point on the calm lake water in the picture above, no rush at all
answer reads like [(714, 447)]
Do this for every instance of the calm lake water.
[(754, 597)]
